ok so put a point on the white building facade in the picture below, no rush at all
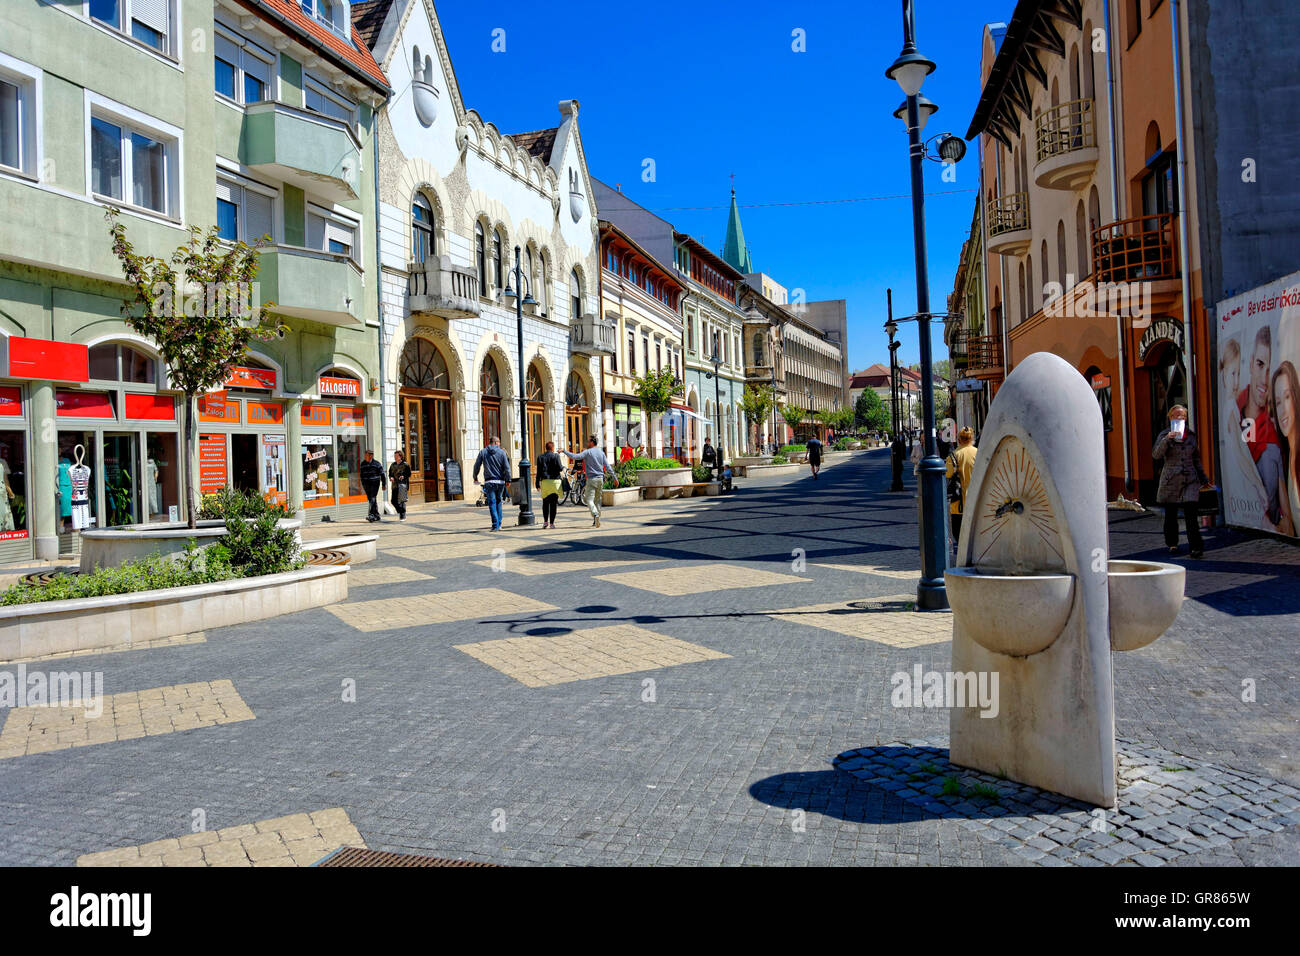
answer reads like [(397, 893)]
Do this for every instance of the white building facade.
[(456, 198)]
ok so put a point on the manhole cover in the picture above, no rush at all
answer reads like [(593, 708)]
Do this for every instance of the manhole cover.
[(356, 856), (328, 556)]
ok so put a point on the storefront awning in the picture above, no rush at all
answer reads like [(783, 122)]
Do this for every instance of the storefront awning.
[(690, 414)]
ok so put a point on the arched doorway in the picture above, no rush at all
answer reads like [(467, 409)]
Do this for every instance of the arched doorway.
[(535, 393), (426, 420), (1168, 380), (577, 411), (489, 387)]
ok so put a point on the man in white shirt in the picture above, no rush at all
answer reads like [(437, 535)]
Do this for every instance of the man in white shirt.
[(594, 467)]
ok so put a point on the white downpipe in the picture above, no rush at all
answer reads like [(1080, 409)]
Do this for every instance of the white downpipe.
[(1114, 214), (1174, 7)]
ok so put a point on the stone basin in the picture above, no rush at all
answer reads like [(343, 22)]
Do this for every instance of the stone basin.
[(1012, 614), (1145, 597)]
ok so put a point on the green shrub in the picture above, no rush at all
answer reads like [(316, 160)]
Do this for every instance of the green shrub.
[(626, 474), (229, 503), (780, 460), (701, 473), (654, 463), (841, 444), (788, 450), (259, 546), (142, 574)]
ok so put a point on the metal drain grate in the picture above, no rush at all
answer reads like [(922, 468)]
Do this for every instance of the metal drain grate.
[(328, 556), (356, 856)]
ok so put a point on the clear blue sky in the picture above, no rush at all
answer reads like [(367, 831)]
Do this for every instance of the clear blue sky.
[(711, 88)]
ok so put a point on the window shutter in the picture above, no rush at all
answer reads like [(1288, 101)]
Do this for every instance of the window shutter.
[(152, 13), (338, 233), (227, 192), (257, 214), (315, 232)]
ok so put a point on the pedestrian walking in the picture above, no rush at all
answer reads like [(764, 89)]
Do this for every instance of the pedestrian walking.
[(595, 466), (959, 466), (372, 478), (549, 470), (496, 475), (897, 451), (1181, 480), (814, 455), (399, 475)]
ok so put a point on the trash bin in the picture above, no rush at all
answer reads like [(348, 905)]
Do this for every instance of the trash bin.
[(516, 491)]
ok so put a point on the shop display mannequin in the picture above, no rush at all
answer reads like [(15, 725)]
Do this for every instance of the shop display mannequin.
[(79, 476)]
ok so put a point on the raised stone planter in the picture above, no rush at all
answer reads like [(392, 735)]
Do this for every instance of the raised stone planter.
[(122, 620), (619, 496), (663, 477), (751, 460), (112, 547), (760, 471)]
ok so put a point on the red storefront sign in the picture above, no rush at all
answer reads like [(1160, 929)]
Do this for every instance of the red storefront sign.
[(212, 463), (11, 400), (243, 377), (159, 408), (265, 413), (350, 416), (316, 415), (345, 387), (1101, 381), (51, 361), (219, 411), (83, 405)]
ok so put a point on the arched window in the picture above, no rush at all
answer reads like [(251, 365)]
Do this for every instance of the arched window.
[(422, 366), (1088, 77), (575, 393), (533, 384), (1094, 218), (575, 295), (1081, 239), (1074, 72), (422, 226), (1021, 290), (121, 363), (489, 380), (480, 256), (498, 269), (543, 280), (1031, 296), (1061, 269), (758, 349)]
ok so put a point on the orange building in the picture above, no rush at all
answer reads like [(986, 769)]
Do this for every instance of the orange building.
[(1089, 236)]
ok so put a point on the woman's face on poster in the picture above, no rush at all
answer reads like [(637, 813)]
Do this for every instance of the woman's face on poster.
[(1284, 402)]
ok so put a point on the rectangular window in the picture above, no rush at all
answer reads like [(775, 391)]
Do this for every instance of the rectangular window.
[(133, 164), (330, 233), (244, 212), (331, 13), (18, 114), (242, 69), (146, 21), (631, 352), (320, 100)]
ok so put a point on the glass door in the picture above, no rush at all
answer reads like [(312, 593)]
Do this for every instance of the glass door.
[(121, 479), (413, 444), (535, 440), (442, 434)]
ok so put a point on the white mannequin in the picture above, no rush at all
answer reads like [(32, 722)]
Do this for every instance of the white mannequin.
[(80, 475)]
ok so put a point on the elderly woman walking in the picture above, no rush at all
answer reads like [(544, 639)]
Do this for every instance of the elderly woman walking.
[(1181, 480)]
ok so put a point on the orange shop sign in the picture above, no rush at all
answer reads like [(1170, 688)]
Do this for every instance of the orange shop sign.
[(350, 416), (265, 413), (244, 377), (218, 410), (316, 415), (343, 387)]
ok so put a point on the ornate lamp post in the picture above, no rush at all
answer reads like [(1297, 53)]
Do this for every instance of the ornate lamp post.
[(526, 515), (716, 359)]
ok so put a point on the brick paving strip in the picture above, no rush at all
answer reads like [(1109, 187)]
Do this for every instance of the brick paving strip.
[(176, 640), (1170, 805), (301, 839), (125, 716)]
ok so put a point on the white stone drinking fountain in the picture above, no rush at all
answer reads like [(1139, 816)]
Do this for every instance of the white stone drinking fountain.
[(1035, 597)]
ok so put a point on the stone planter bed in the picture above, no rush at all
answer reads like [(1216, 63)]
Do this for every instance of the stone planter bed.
[(360, 548), (619, 496), (760, 471), (122, 620), (112, 547)]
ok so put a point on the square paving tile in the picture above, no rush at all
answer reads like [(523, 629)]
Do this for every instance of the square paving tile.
[(586, 559), (365, 577), (700, 579), (586, 654), (125, 716), (390, 613), (726, 545), (886, 620)]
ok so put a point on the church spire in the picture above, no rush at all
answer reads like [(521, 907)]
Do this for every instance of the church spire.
[(735, 252)]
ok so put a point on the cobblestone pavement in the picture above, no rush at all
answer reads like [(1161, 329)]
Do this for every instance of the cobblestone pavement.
[(698, 681)]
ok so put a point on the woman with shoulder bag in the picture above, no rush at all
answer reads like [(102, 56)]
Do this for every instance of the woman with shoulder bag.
[(549, 472), (959, 466)]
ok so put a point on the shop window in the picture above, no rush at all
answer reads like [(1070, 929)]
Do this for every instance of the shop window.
[(13, 485), (76, 447), (317, 470), (350, 448)]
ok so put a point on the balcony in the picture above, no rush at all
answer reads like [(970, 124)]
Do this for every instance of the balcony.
[(1067, 145), (1008, 222), (320, 286), (316, 153), (592, 336), (1143, 249), (984, 357), (437, 286)]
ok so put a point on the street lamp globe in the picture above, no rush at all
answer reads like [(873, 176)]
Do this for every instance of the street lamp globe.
[(924, 110), (909, 71)]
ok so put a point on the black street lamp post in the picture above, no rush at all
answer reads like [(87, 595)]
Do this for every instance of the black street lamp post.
[(896, 483), (716, 359), (526, 515), (910, 71)]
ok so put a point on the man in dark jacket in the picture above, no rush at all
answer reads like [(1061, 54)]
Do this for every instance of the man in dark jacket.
[(372, 478), (399, 472), (1181, 480), (496, 475), (707, 454)]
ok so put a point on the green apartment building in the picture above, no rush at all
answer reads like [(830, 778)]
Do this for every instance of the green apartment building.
[(253, 115)]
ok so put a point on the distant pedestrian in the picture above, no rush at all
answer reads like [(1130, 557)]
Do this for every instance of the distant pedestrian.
[(496, 475), (549, 470), (399, 473), (959, 466), (724, 482), (1181, 480), (707, 455), (897, 452), (372, 478), (814, 455), (595, 466)]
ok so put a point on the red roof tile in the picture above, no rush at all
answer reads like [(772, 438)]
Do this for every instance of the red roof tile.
[(355, 54)]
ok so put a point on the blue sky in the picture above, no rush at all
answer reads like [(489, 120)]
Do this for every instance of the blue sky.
[(712, 88)]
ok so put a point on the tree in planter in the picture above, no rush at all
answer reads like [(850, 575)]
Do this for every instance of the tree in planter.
[(198, 308), (656, 391), (870, 412), (757, 402), (794, 416)]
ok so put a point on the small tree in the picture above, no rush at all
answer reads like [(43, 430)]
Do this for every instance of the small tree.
[(757, 403), (870, 412), (656, 391), (794, 416), (198, 308)]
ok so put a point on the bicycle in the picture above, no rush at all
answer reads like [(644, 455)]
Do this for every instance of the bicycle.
[(577, 484)]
